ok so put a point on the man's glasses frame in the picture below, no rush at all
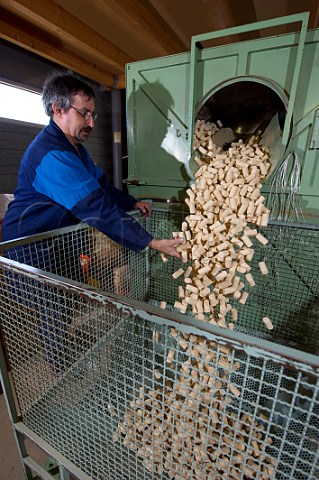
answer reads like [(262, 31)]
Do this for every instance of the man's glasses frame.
[(87, 115)]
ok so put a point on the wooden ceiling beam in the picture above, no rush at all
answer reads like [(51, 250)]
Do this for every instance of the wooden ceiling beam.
[(221, 17), (19, 32), (141, 18), (71, 31)]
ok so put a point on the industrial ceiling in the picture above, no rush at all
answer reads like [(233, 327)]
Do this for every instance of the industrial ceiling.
[(97, 38)]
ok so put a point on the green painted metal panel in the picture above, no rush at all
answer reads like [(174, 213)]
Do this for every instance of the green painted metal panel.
[(154, 102)]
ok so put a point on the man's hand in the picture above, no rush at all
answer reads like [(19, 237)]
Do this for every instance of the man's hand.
[(144, 207), (167, 246)]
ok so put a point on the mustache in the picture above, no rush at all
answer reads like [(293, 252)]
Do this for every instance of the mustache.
[(87, 129)]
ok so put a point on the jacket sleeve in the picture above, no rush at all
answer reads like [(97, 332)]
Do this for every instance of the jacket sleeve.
[(99, 210), (62, 177)]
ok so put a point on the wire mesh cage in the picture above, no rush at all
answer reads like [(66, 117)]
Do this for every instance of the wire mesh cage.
[(126, 390)]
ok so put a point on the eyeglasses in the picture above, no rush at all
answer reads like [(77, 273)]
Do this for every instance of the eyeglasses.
[(87, 115)]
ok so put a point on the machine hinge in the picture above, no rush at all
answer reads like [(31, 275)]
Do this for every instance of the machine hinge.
[(314, 139), (134, 181)]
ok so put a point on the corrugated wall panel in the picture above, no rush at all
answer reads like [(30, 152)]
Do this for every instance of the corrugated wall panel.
[(16, 136)]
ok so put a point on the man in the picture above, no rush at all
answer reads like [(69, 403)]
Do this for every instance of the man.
[(59, 185)]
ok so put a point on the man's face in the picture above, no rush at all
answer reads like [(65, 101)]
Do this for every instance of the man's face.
[(74, 124)]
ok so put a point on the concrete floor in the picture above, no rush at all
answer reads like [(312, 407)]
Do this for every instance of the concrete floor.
[(10, 463)]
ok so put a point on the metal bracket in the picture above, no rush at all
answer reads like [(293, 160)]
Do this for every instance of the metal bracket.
[(135, 181)]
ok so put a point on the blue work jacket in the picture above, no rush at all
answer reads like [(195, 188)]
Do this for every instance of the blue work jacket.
[(59, 186)]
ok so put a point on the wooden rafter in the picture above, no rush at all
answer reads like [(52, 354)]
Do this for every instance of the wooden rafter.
[(141, 18), (19, 32), (71, 32)]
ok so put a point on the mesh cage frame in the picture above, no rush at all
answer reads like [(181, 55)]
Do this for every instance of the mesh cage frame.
[(127, 367)]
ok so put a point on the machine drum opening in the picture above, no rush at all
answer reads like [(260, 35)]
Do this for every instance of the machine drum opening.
[(246, 107)]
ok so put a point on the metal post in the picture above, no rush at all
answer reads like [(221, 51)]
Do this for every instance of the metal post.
[(117, 139)]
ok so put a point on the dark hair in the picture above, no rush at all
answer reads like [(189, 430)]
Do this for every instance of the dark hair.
[(60, 89)]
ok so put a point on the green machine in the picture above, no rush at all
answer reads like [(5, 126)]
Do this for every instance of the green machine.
[(243, 85)]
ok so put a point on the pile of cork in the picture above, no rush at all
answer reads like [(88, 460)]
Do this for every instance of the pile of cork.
[(186, 429), (224, 203)]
